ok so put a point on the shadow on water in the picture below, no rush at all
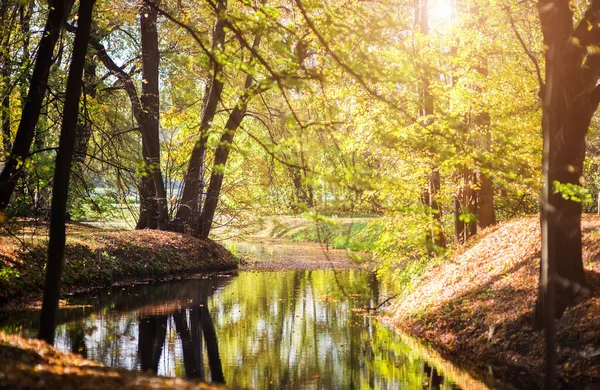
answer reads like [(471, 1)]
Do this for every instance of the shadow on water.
[(258, 330)]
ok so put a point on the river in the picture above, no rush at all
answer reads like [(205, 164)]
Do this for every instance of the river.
[(309, 329)]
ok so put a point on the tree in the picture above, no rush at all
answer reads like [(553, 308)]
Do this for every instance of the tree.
[(62, 171), (571, 97), (194, 180), (153, 197), (58, 10)]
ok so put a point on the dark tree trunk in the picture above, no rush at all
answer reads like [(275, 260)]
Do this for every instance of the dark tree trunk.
[(150, 108), (485, 191), (193, 183), (148, 211), (84, 127), (485, 201), (153, 208), (62, 170), (7, 16), (58, 12), (437, 229), (202, 227), (205, 221), (570, 100), (25, 12), (5, 114)]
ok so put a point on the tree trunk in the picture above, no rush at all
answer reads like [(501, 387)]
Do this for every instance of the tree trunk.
[(571, 99), (84, 127), (437, 228), (202, 229), (193, 182), (7, 15), (434, 236), (5, 114), (58, 12), (62, 170), (485, 191), (150, 108)]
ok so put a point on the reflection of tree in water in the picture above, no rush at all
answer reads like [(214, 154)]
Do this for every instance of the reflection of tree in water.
[(151, 338), (191, 340), (432, 380), (76, 336), (274, 330)]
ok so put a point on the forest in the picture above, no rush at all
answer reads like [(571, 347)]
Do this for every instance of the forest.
[(146, 140)]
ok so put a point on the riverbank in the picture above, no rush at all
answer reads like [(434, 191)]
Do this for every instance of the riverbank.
[(33, 364), (100, 258), (477, 307)]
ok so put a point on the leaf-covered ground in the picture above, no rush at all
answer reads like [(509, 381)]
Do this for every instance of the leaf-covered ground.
[(478, 306), (96, 258), (33, 364)]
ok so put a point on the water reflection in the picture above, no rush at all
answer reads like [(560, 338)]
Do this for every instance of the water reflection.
[(269, 330)]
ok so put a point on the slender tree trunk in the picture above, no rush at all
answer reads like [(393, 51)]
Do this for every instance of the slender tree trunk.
[(437, 230), (434, 237), (84, 127), (6, 20), (205, 221), (193, 183), (485, 191), (465, 204), (203, 225), (150, 106), (58, 12), (5, 114), (62, 170)]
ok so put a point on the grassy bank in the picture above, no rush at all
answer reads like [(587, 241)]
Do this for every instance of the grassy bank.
[(477, 306), (33, 364), (97, 258)]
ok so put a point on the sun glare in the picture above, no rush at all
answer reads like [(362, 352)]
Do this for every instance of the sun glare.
[(441, 13)]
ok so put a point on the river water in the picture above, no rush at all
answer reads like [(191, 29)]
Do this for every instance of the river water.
[(257, 330)]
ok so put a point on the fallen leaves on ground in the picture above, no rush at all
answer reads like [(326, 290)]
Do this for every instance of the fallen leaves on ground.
[(96, 258), (478, 305), (33, 364)]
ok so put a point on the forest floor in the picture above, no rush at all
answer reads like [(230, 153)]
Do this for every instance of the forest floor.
[(99, 258), (477, 307), (33, 364)]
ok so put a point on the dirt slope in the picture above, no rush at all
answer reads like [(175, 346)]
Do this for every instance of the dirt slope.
[(478, 306)]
